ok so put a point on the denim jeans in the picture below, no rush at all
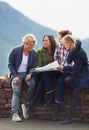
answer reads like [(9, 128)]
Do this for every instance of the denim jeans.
[(49, 86), (60, 87), (17, 91), (31, 101), (48, 78)]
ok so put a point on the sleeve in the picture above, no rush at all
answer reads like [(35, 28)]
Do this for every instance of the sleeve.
[(56, 53), (34, 64), (39, 64), (80, 59), (11, 64), (70, 58)]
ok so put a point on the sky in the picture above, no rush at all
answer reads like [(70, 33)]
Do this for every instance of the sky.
[(57, 14)]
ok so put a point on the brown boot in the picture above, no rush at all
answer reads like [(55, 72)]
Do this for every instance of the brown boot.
[(55, 115), (50, 99)]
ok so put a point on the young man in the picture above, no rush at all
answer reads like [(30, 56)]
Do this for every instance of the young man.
[(21, 60)]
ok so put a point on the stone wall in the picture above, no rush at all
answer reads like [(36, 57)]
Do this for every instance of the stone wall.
[(39, 111)]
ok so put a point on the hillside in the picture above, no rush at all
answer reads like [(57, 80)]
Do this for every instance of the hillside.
[(86, 45), (13, 26)]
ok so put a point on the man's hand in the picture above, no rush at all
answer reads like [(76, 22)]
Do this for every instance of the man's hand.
[(16, 80), (28, 77)]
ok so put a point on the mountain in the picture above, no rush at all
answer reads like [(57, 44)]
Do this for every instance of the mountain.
[(85, 45), (13, 26)]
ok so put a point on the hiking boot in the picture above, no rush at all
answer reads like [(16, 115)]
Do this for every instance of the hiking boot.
[(55, 115)]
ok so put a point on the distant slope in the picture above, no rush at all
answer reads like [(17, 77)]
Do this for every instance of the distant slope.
[(85, 45), (13, 26)]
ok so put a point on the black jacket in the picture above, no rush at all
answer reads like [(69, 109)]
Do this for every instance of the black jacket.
[(79, 57), (80, 69)]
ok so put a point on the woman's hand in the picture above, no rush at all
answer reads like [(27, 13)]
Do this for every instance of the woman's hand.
[(60, 69)]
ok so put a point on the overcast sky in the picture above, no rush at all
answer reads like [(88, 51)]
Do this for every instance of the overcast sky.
[(57, 14)]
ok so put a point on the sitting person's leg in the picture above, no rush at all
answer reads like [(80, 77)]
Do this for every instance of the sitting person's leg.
[(30, 99), (48, 83), (69, 83), (30, 91), (31, 88), (16, 87), (39, 93), (59, 96), (15, 101), (76, 98)]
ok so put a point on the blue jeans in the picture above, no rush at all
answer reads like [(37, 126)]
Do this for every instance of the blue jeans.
[(17, 91), (49, 85), (60, 87), (48, 78), (31, 101)]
